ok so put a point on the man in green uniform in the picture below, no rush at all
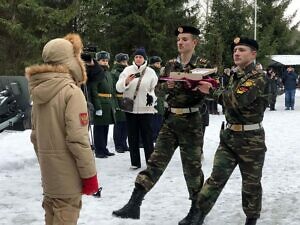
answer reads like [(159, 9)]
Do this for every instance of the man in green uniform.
[(102, 99), (155, 63), (181, 128), (242, 141), (120, 128)]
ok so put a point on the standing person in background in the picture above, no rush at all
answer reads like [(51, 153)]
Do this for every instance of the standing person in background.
[(155, 64), (289, 81), (60, 130), (242, 142), (139, 120), (120, 128), (102, 98), (272, 82), (182, 127)]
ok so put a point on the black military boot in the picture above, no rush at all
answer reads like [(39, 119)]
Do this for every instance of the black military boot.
[(132, 208), (250, 221), (194, 217)]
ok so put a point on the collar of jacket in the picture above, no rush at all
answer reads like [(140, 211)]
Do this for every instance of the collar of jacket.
[(140, 68)]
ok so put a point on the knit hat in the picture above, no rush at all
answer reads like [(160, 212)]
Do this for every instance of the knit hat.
[(66, 51), (140, 51), (121, 57)]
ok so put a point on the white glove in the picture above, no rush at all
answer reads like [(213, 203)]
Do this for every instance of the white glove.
[(99, 112)]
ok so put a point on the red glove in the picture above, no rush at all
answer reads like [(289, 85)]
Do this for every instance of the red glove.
[(90, 185)]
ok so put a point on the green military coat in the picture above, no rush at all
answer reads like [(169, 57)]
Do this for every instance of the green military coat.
[(115, 73), (102, 90), (160, 100)]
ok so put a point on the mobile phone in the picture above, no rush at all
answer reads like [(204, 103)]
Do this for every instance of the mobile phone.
[(137, 75)]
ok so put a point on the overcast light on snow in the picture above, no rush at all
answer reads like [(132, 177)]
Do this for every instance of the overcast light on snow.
[(167, 203)]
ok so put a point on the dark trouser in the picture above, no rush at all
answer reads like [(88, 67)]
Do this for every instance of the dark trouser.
[(120, 135), (100, 139), (247, 150), (272, 100), (184, 131), (139, 124), (156, 125), (290, 98)]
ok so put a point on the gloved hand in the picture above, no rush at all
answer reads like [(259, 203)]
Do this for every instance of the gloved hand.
[(99, 112), (90, 185), (149, 100)]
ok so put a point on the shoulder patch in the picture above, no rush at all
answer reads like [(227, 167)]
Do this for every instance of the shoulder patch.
[(242, 90), (248, 83), (84, 119)]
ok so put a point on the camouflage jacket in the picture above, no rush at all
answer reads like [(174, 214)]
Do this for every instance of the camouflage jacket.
[(245, 97), (181, 96)]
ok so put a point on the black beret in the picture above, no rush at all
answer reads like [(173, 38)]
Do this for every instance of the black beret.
[(102, 55), (187, 29), (121, 57), (244, 41), (154, 59)]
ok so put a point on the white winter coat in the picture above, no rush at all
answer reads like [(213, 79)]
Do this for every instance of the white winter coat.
[(147, 85)]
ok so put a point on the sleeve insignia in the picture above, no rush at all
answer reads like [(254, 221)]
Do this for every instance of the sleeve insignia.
[(248, 83), (242, 90), (84, 119)]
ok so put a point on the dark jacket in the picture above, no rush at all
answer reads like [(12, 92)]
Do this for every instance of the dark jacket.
[(115, 73), (289, 80)]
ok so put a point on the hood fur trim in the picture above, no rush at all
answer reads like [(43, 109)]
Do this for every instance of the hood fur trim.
[(77, 46), (45, 68)]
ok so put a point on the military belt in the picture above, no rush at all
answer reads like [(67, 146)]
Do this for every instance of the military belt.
[(104, 95), (119, 95), (180, 111), (241, 127)]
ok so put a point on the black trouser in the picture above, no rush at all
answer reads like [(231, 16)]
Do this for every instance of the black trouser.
[(139, 124), (100, 139), (157, 121), (120, 135)]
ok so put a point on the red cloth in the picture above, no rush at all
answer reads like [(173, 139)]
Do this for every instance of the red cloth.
[(90, 185)]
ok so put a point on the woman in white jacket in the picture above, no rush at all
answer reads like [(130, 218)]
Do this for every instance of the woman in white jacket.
[(139, 120)]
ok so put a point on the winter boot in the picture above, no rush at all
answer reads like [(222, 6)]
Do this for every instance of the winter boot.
[(194, 217), (250, 221), (132, 208)]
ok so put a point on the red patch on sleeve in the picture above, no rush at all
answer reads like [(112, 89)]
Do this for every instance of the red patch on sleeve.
[(84, 119)]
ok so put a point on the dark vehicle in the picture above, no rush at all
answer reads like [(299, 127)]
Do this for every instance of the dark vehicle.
[(15, 107)]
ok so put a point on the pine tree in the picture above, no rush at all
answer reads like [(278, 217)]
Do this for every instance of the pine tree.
[(25, 26)]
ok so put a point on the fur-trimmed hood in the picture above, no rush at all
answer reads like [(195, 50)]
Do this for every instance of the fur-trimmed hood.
[(46, 80), (67, 53)]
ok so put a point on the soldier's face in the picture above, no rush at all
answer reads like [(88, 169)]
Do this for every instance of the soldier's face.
[(103, 62), (186, 43), (243, 55)]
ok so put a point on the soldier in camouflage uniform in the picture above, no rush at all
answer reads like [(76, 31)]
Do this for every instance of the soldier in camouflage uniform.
[(242, 141), (181, 127)]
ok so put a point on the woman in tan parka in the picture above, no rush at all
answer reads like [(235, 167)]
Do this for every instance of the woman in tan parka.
[(60, 131)]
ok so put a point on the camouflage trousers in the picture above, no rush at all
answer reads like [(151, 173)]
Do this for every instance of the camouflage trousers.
[(184, 131), (247, 150)]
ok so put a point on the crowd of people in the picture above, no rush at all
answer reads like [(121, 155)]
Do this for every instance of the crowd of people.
[(161, 115)]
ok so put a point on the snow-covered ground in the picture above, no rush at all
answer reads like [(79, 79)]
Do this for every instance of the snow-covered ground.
[(167, 203)]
